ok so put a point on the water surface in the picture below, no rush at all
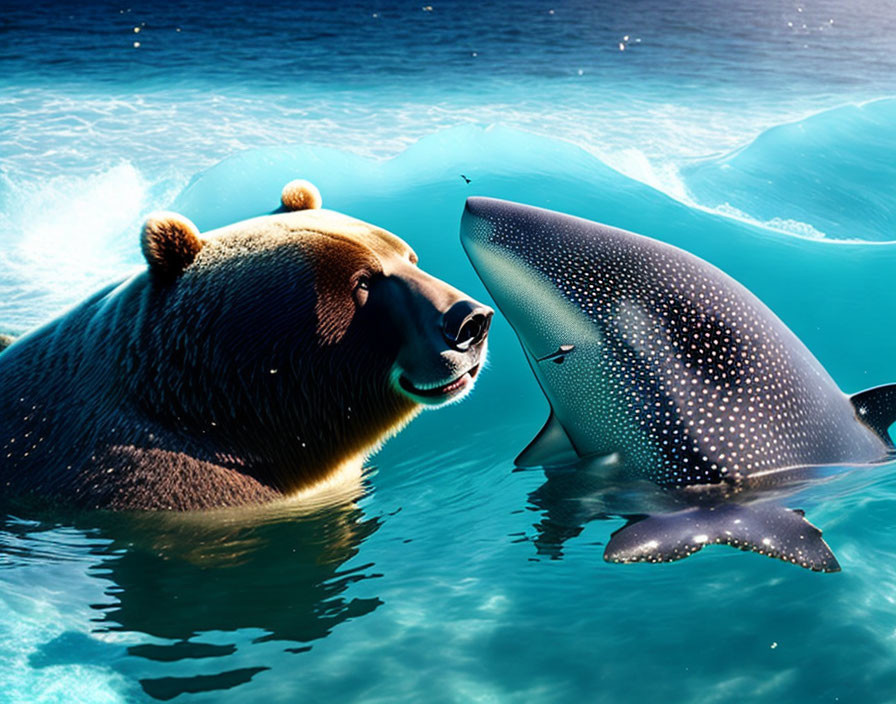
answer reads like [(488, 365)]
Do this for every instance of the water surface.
[(760, 137)]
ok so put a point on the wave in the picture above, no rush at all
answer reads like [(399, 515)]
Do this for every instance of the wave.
[(69, 234), (64, 236), (836, 295), (832, 173)]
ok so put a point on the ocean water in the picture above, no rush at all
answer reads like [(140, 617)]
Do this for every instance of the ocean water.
[(761, 137)]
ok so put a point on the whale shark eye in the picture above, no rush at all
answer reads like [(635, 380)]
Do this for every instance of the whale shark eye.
[(558, 356)]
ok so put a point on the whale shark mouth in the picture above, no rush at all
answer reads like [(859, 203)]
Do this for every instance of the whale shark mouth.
[(443, 392)]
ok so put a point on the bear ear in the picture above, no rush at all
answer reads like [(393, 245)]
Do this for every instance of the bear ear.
[(300, 195), (170, 243)]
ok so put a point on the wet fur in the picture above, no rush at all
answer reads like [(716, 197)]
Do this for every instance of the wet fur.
[(248, 378)]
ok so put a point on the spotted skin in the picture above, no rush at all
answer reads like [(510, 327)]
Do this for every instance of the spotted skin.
[(674, 365), (696, 379)]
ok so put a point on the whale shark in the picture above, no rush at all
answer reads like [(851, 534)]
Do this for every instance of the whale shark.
[(660, 368)]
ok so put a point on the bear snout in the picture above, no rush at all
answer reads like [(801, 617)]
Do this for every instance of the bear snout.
[(444, 368), (466, 324)]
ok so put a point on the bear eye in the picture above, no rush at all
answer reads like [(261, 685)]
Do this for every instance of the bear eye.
[(362, 287)]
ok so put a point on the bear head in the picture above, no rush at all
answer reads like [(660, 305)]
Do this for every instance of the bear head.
[(300, 340)]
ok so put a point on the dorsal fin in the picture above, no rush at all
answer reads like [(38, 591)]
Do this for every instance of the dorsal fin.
[(876, 408), (551, 447)]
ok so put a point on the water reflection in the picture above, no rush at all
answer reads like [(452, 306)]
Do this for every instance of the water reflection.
[(765, 516), (572, 497), (189, 583)]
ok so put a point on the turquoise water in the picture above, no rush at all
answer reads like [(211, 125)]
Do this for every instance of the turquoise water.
[(767, 149)]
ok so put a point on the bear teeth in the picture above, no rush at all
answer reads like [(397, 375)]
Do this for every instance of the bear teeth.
[(439, 390)]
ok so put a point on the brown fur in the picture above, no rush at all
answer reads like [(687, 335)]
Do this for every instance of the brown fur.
[(170, 243), (300, 195), (252, 375)]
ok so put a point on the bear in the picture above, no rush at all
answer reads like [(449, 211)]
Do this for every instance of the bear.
[(244, 365)]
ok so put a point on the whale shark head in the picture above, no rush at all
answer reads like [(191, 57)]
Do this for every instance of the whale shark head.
[(515, 256), (645, 349), (538, 271)]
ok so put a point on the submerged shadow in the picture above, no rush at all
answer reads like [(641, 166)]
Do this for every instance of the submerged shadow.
[(174, 577)]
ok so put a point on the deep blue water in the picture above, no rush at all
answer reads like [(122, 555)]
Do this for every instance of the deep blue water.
[(761, 137)]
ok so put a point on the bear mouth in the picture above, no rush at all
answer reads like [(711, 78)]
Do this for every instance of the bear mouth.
[(443, 391)]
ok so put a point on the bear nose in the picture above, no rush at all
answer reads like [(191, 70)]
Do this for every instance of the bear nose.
[(465, 324)]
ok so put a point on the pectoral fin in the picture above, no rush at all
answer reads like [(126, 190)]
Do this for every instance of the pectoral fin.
[(550, 448), (767, 529)]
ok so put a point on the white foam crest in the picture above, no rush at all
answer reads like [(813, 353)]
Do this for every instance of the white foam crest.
[(661, 175), (66, 223), (64, 235), (784, 226)]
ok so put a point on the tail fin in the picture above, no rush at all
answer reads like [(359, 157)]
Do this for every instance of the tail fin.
[(876, 408), (6, 341), (767, 529)]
